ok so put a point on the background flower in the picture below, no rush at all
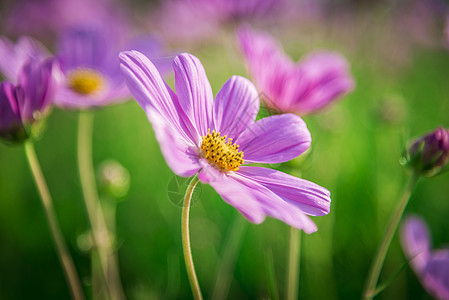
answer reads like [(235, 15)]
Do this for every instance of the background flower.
[(89, 61), (303, 87), (26, 104)]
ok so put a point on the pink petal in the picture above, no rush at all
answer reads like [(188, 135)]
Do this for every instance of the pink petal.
[(14, 56), (162, 108), (150, 90), (194, 91), (236, 105), (320, 78), (275, 206), (252, 199), (268, 65), (436, 275), (311, 198), (181, 155), (301, 88), (274, 139), (415, 241), (232, 192)]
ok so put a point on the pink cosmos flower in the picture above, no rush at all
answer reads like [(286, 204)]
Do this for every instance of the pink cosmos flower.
[(303, 87), (216, 138), (431, 267)]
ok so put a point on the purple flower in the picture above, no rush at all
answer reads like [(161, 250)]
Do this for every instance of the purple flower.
[(216, 138), (430, 153), (24, 104), (14, 56), (303, 87), (92, 77), (89, 61), (431, 267)]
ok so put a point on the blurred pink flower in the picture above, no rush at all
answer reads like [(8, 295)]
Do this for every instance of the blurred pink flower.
[(29, 101), (13, 56), (303, 87), (431, 267), (215, 138), (88, 56), (89, 61)]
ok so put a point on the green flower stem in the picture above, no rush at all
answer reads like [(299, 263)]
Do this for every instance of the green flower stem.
[(102, 239), (293, 264), (186, 240), (376, 267), (226, 266), (64, 257)]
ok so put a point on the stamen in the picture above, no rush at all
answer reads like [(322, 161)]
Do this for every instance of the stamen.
[(85, 81), (222, 154)]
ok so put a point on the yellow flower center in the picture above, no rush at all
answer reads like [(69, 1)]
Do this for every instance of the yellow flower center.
[(222, 154), (85, 81)]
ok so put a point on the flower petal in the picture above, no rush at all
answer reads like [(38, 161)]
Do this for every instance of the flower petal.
[(194, 91), (415, 241), (236, 105), (311, 198), (10, 117), (320, 78), (180, 155), (436, 275), (275, 206), (302, 88), (232, 192), (268, 65), (39, 81), (150, 90), (252, 199), (274, 139), (14, 56), (88, 46)]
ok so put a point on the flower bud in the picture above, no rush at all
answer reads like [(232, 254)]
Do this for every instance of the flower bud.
[(114, 179), (429, 154)]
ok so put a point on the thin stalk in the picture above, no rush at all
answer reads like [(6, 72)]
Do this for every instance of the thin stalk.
[(271, 276), (376, 267), (294, 254), (230, 252), (64, 257), (102, 239), (186, 240)]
